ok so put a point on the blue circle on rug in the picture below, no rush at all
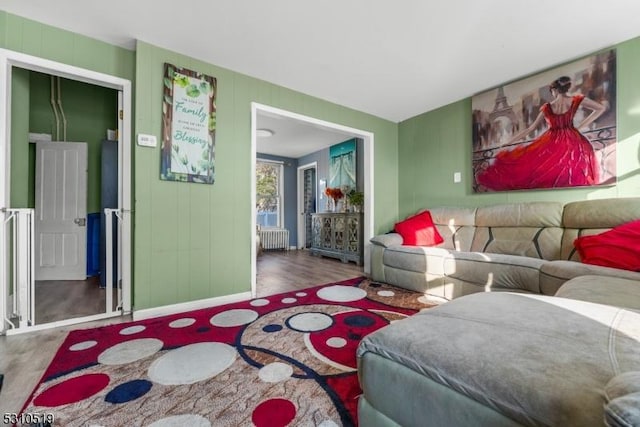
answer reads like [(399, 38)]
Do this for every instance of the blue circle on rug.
[(272, 328), (359, 320), (375, 285), (353, 336), (129, 391), (203, 329)]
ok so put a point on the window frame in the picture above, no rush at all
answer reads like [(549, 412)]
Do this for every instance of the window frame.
[(279, 197)]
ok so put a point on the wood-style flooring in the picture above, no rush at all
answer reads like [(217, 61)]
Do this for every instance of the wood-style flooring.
[(283, 271), (24, 358), (66, 299)]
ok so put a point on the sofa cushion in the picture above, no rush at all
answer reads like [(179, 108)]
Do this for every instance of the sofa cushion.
[(590, 217), (542, 242), (623, 397), (601, 213), (415, 258), (525, 229), (553, 274), (418, 230), (456, 225), (537, 359), (386, 240), (489, 272), (603, 290), (530, 214), (616, 248)]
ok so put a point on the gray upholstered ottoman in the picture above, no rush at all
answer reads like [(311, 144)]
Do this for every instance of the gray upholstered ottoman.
[(497, 359)]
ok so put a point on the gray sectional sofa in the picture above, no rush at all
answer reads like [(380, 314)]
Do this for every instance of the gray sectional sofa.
[(523, 247), (558, 346)]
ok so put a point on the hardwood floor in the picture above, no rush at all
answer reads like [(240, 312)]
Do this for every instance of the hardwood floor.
[(67, 299), (24, 358), (283, 271)]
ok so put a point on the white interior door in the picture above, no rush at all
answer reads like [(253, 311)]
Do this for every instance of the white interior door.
[(61, 211)]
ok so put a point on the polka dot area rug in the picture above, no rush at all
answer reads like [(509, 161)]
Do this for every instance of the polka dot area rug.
[(287, 359)]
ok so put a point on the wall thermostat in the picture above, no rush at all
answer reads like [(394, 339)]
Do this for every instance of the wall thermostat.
[(147, 140)]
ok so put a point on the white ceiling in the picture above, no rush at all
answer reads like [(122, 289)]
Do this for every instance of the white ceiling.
[(394, 60), (294, 138)]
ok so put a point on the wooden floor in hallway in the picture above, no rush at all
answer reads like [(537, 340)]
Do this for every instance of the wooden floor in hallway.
[(24, 357), (283, 271)]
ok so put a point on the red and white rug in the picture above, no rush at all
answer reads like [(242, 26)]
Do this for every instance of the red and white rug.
[(287, 359)]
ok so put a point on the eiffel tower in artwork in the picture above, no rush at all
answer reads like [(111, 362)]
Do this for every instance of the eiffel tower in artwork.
[(502, 108)]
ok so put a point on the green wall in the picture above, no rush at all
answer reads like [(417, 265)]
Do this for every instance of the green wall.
[(434, 145), (33, 38), (90, 110), (20, 139), (192, 241)]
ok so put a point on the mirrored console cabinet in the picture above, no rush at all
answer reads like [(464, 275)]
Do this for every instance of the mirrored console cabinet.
[(337, 235)]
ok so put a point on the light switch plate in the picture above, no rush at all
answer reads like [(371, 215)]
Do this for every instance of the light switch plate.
[(147, 140), (457, 177)]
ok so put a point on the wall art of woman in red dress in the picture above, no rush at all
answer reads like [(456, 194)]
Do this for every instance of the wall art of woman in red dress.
[(560, 157)]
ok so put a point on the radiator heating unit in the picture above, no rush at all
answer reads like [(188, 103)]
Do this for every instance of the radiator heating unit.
[(274, 238)]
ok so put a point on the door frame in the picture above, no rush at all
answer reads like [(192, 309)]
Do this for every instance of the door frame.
[(368, 166), (10, 59), (302, 228)]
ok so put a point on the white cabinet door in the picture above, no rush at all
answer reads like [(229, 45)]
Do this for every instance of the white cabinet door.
[(61, 211)]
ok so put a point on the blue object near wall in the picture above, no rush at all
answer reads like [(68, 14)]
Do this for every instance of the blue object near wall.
[(109, 199), (93, 244)]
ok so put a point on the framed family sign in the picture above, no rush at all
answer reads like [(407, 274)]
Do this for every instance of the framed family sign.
[(189, 126)]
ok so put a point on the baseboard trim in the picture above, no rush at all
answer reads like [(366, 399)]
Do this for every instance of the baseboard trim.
[(166, 310), (61, 323)]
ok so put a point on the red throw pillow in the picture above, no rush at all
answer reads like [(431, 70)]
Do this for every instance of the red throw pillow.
[(419, 230), (617, 248)]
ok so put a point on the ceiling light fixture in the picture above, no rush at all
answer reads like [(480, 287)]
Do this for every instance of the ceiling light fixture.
[(264, 133)]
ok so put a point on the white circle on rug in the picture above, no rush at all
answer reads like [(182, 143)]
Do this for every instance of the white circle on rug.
[(289, 300), (339, 293), (301, 294), (132, 330), (182, 323), (234, 317), (182, 420), (309, 322), (328, 423), (336, 342), (130, 351), (275, 372), (386, 293), (192, 363), (260, 302), (83, 345)]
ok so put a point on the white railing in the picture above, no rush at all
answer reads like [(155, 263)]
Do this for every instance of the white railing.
[(108, 265), (19, 225)]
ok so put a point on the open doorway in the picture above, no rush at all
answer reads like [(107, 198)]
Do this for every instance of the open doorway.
[(307, 202), (304, 148), (65, 157)]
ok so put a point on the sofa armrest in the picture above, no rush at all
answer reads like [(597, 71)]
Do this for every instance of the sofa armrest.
[(386, 240), (554, 274)]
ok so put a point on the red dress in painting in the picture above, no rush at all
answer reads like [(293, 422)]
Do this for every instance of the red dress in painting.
[(560, 157)]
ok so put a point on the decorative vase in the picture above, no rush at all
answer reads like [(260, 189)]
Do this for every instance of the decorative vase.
[(330, 204)]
